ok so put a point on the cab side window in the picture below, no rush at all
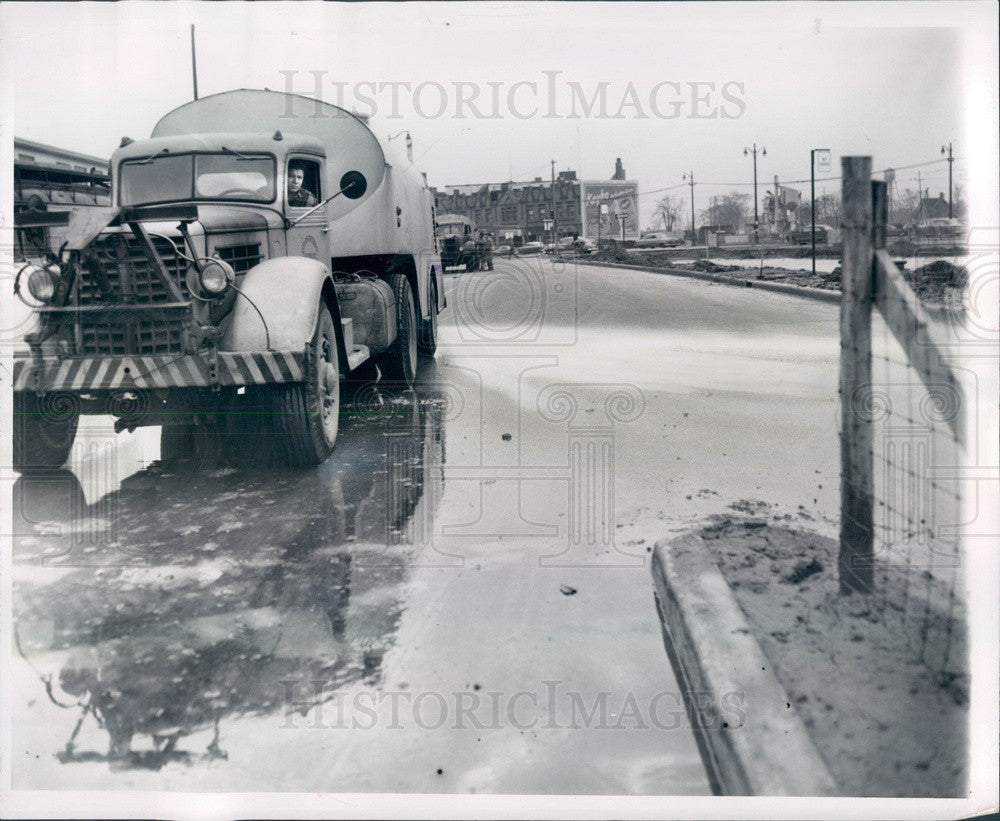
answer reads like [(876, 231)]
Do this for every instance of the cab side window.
[(303, 183)]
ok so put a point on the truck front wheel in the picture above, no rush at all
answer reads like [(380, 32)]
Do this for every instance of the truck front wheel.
[(306, 415), (399, 362), (44, 429)]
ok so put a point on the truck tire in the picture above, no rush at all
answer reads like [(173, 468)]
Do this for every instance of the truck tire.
[(196, 447), (44, 429), (306, 415), (399, 362), (176, 443), (429, 329)]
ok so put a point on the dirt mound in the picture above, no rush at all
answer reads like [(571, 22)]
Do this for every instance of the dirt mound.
[(938, 281), (712, 267)]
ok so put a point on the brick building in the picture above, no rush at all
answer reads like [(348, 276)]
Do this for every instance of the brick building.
[(517, 210)]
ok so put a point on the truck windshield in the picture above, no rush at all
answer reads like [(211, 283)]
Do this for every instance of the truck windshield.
[(197, 176)]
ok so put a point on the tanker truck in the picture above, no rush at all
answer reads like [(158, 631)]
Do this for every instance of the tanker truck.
[(259, 248)]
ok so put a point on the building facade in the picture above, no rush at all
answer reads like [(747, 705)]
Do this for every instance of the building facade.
[(516, 212)]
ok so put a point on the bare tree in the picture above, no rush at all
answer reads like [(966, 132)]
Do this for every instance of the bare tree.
[(828, 211), (666, 213), (729, 210), (960, 206), (906, 206)]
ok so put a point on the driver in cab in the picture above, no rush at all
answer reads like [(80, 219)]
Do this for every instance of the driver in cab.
[(299, 197)]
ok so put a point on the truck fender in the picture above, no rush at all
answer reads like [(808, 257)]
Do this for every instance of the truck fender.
[(287, 292)]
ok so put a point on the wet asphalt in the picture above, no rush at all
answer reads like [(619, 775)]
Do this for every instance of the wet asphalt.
[(459, 600)]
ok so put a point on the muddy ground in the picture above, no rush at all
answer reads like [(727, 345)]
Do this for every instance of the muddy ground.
[(885, 722), (938, 283)]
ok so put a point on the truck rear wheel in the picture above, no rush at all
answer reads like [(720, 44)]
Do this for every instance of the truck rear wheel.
[(306, 415), (44, 430), (429, 329), (399, 362)]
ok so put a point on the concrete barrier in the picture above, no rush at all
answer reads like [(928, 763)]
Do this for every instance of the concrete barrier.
[(717, 661), (821, 294)]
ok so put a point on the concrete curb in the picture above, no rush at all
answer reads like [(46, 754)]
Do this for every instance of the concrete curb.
[(821, 294), (718, 662)]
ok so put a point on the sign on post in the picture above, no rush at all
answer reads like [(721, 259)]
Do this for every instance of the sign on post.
[(823, 160)]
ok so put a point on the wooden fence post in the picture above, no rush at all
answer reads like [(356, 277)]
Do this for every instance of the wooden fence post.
[(855, 563)]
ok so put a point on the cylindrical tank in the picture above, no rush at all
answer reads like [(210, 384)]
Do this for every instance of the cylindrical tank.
[(350, 144)]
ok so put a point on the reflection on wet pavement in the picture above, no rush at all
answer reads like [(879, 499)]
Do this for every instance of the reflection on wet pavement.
[(184, 599)]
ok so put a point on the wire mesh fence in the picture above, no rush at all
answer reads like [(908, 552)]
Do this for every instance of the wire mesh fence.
[(903, 445)]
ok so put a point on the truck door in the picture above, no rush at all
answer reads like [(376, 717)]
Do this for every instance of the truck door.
[(308, 236)]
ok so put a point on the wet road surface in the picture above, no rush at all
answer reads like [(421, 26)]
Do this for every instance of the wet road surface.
[(459, 600)]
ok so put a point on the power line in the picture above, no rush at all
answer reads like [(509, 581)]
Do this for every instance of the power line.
[(832, 179)]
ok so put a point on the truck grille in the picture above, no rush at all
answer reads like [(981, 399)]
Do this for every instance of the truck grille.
[(241, 257), (138, 336), (129, 277)]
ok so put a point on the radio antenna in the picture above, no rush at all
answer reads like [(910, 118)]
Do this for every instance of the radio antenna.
[(194, 65)]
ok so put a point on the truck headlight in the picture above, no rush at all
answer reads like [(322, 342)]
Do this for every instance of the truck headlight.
[(212, 280), (42, 283), (215, 277)]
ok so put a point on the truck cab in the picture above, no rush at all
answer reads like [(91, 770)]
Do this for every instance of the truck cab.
[(237, 274)]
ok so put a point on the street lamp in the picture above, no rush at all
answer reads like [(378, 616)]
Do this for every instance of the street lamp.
[(946, 149), (763, 153), (409, 143), (694, 236)]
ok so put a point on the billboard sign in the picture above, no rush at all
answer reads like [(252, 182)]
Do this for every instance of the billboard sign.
[(621, 201)]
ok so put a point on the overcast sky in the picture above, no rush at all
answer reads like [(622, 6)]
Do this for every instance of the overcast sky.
[(885, 80)]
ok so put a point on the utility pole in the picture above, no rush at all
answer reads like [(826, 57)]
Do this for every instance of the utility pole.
[(777, 204), (552, 214), (194, 65), (920, 197), (951, 159), (756, 219), (694, 236)]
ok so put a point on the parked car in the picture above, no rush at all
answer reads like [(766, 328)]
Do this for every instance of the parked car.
[(803, 236), (570, 246), (530, 248), (657, 239), (943, 228)]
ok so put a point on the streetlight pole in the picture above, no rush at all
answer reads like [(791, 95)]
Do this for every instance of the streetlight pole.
[(951, 159), (694, 236), (812, 202), (763, 153), (825, 162)]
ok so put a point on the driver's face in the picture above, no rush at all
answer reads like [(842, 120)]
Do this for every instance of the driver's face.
[(295, 178)]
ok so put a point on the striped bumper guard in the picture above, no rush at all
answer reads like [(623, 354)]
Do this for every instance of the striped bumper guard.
[(163, 371)]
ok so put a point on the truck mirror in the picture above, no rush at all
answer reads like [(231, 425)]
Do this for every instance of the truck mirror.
[(354, 185)]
